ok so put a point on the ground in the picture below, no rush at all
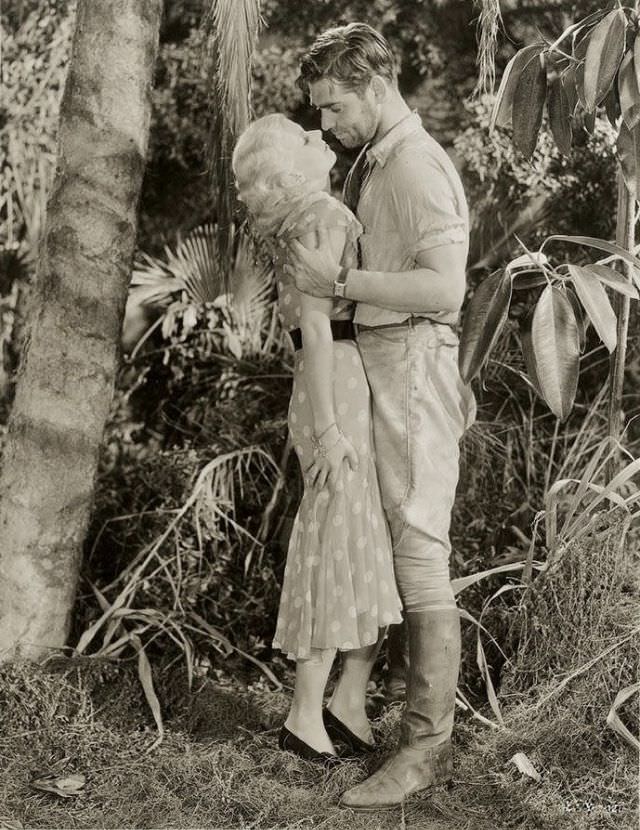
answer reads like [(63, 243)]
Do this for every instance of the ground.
[(219, 766)]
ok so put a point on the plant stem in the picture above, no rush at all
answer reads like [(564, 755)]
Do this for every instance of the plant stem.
[(625, 221)]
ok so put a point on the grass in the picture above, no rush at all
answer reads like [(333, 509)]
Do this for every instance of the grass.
[(219, 766), (572, 642)]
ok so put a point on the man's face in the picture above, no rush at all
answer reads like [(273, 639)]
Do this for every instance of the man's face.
[(351, 116)]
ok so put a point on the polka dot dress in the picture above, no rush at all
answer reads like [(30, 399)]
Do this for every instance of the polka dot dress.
[(339, 587)]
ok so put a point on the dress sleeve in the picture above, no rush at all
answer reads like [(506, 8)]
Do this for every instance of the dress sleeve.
[(328, 212), (324, 210), (426, 204)]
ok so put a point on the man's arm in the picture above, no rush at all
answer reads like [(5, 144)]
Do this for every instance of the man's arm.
[(438, 284)]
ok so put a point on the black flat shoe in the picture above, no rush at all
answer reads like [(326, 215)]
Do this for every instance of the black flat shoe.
[(291, 743), (338, 732)]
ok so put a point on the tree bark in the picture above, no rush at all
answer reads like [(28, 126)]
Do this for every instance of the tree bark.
[(65, 382)]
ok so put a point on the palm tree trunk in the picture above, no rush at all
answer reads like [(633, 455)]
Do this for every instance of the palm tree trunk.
[(65, 383)]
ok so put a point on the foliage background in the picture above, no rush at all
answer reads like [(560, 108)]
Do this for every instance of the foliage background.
[(197, 487), (208, 384)]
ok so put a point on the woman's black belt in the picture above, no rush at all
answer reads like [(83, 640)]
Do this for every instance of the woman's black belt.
[(340, 329)]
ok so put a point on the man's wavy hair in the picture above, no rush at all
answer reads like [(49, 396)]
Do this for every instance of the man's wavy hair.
[(350, 54)]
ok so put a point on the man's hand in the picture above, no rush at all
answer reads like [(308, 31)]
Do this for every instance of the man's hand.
[(314, 270)]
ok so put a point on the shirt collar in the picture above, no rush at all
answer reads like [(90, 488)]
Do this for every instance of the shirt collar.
[(380, 151)]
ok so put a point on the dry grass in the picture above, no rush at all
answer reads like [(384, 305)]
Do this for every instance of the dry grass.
[(219, 766)]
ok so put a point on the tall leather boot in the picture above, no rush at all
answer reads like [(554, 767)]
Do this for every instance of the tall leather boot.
[(424, 756), (395, 678)]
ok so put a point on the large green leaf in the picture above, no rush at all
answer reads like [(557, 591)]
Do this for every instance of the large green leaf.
[(589, 121), (531, 278), (483, 321), (594, 242), (556, 347), (628, 149), (528, 104), (560, 114), (604, 53), (501, 113), (570, 87), (629, 92), (579, 52), (528, 353), (612, 105), (613, 279), (503, 106), (581, 318), (596, 303)]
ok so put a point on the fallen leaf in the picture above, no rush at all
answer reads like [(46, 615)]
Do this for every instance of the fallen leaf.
[(613, 718), (64, 786), (524, 765)]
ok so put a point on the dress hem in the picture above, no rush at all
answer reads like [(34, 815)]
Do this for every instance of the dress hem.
[(307, 653)]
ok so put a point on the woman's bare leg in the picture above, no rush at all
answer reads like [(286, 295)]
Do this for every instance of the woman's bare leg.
[(305, 714), (349, 696)]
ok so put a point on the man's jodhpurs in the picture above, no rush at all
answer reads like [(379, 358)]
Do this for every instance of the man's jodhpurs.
[(421, 408)]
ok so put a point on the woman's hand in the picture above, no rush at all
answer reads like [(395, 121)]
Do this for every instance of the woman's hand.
[(327, 467)]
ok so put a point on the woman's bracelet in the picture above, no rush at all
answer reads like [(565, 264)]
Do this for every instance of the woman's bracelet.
[(319, 448), (324, 431)]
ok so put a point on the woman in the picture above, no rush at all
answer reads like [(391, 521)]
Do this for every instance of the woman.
[(339, 591)]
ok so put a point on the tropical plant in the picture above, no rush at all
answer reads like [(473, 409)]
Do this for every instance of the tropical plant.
[(189, 283), (34, 62), (553, 333), (232, 29), (511, 196), (201, 511), (157, 595), (591, 64)]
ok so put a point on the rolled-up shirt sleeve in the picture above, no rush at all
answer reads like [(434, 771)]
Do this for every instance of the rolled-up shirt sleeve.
[(425, 203)]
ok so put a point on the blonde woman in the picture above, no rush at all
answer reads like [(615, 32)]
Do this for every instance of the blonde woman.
[(339, 591)]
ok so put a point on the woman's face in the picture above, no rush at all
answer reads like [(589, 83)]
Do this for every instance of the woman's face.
[(307, 152)]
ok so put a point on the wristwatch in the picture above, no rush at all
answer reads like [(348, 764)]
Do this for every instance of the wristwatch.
[(340, 285)]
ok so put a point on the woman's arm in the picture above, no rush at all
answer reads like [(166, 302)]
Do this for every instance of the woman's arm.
[(317, 344)]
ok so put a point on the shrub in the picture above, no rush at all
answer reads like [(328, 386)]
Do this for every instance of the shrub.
[(548, 194), (194, 450)]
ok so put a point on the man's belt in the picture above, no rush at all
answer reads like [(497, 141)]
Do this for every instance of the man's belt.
[(408, 321), (340, 330)]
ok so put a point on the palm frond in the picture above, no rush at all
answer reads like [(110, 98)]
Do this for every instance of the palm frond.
[(190, 273), (251, 294), (195, 262), (488, 27), (232, 28), (193, 267), (234, 25)]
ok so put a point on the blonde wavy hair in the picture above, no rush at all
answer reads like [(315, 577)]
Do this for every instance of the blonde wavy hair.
[(266, 180)]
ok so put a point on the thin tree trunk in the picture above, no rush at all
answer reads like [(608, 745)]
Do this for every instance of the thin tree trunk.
[(625, 220), (65, 383)]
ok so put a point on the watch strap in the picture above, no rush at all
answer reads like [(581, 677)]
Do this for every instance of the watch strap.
[(339, 284)]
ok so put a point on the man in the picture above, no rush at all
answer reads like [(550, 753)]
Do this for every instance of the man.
[(409, 288)]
